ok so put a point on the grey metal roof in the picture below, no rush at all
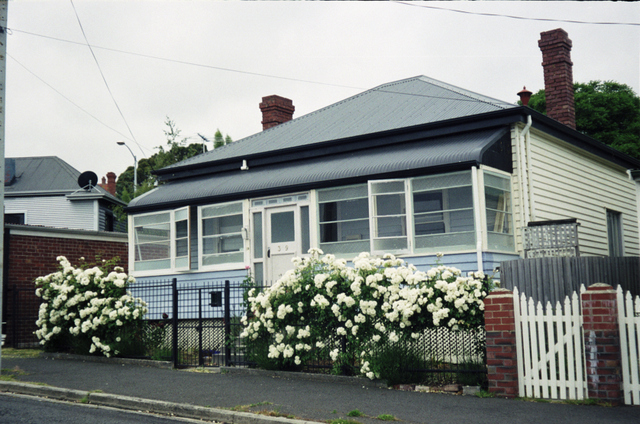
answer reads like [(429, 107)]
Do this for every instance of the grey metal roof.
[(405, 103), (466, 148), (41, 175)]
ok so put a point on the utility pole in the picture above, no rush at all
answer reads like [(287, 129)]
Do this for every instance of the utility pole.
[(4, 5)]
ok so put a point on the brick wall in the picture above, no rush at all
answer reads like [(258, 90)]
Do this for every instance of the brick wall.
[(30, 256)]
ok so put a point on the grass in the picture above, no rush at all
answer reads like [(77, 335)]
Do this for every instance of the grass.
[(355, 413), (11, 374), (485, 394), (387, 417), (343, 421), (585, 402), (10, 352)]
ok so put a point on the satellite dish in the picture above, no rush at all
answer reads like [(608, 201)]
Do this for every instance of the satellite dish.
[(87, 180)]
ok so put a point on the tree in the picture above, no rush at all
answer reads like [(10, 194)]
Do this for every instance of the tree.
[(605, 110), (175, 150)]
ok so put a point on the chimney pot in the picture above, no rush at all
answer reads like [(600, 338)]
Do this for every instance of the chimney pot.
[(525, 95), (275, 111), (110, 184), (558, 76)]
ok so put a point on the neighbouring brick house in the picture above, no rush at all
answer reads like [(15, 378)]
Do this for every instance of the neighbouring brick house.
[(31, 252), (48, 215)]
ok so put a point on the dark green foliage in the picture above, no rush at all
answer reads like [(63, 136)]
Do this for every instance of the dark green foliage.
[(605, 110), (394, 362)]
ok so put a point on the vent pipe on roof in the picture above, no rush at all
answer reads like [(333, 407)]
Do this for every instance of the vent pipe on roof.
[(558, 76), (275, 111), (525, 95)]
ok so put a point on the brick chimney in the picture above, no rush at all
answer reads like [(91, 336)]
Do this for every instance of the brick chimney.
[(558, 76), (110, 183), (276, 110)]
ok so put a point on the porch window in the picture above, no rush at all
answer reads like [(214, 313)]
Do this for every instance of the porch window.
[(344, 219), (389, 216), (443, 212), (152, 241), (221, 234), (497, 194)]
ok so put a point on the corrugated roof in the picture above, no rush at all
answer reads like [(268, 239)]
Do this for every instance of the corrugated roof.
[(48, 174), (400, 104), (449, 150)]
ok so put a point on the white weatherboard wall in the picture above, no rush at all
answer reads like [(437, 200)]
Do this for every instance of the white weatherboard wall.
[(567, 182), (55, 211)]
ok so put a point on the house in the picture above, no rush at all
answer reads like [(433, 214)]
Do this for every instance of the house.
[(44, 191), (412, 167), (47, 214)]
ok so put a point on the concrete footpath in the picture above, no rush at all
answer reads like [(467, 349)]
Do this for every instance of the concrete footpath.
[(235, 395)]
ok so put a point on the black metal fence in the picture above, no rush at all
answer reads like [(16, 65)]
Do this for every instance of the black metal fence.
[(551, 279), (197, 323), (20, 310)]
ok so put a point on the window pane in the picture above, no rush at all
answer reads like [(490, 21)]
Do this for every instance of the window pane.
[(390, 244), (222, 225), (151, 219), (391, 226), (223, 259), (440, 181), (387, 187), (614, 232), (152, 251), (152, 233), (182, 229), (257, 234), (439, 242), (343, 210), (282, 227), (304, 225), (222, 244), (344, 231), (182, 247), (499, 217), (218, 210), (390, 204), (343, 193)]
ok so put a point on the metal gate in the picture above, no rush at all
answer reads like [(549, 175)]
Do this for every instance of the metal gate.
[(206, 324)]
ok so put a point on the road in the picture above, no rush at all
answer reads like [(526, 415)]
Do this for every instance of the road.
[(17, 409)]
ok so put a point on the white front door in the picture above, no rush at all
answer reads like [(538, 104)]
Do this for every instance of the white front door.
[(282, 240)]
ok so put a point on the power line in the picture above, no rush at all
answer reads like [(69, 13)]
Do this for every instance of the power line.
[(524, 18), (68, 99), (183, 62), (104, 78)]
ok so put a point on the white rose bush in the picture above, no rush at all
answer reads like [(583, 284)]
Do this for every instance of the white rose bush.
[(87, 309), (324, 308)]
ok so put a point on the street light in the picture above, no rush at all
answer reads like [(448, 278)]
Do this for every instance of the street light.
[(135, 166)]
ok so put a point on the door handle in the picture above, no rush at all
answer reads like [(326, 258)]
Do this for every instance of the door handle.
[(268, 252)]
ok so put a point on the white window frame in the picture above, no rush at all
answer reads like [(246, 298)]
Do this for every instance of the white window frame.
[(408, 219), (172, 244), (244, 233), (445, 210), (318, 221), (483, 208)]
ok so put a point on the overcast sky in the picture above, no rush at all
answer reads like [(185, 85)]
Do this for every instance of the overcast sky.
[(206, 64)]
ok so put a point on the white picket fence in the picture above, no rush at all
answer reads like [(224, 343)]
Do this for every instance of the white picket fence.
[(629, 320), (550, 343)]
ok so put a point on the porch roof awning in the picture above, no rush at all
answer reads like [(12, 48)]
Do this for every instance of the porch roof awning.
[(426, 156)]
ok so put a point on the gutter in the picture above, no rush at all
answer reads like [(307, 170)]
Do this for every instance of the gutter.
[(523, 168)]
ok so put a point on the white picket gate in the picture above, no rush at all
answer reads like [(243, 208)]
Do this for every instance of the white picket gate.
[(550, 343), (629, 321)]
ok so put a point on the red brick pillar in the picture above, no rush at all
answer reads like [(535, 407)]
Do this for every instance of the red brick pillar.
[(602, 343), (502, 355)]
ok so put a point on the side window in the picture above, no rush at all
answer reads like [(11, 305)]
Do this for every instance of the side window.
[(497, 194), (221, 235), (614, 233), (152, 241), (443, 212), (344, 219)]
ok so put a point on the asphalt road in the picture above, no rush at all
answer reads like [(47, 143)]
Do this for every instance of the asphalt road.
[(305, 398), (17, 409)]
